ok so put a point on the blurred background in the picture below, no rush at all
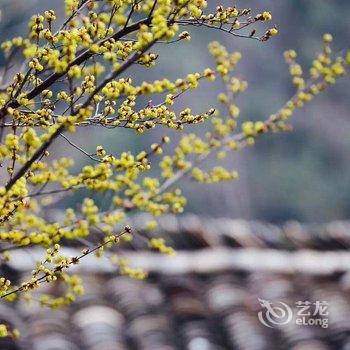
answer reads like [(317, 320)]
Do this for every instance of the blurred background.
[(303, 175)]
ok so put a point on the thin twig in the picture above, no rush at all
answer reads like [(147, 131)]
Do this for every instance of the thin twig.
[(72, 261), (80, 149)]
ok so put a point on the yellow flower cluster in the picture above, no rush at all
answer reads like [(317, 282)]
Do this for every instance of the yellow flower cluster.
[(74, 290), (126, 270), (225, 63), (5, 331), (217, 174), (159, 244)]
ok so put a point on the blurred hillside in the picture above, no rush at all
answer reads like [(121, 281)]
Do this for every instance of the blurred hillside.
[(303, 175)]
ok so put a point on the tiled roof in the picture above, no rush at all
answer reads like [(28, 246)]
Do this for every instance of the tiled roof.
[(197, 308)]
